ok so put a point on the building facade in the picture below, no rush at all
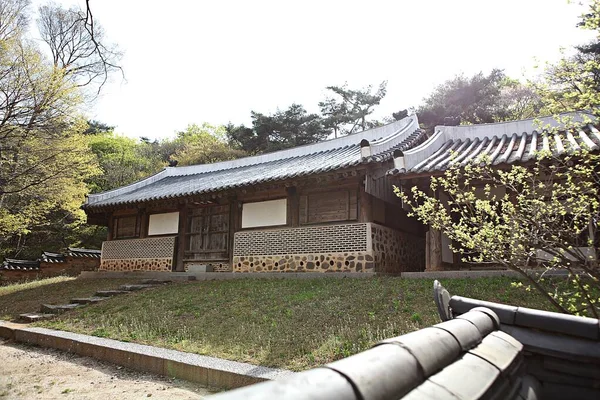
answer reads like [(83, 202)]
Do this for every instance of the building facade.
[(323, 207), (503, 144)]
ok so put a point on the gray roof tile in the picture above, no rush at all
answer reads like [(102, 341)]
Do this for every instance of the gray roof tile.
[(384, 372), (433, 348), (297, 162), (503, 143), (464, 331)]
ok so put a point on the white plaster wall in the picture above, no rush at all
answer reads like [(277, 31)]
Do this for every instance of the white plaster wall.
[(264, 213), (163, 224)]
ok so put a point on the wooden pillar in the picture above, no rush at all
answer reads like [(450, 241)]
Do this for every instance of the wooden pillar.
[(366, 205), (180, 251), (293, 207), (111, 221), (143, 216), (434, 250), (234, 225)]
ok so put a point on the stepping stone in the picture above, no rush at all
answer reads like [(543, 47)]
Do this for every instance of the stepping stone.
[(33, 317), (132, 288), (109, 293), (155, 281), (57, 308), (87, 300)]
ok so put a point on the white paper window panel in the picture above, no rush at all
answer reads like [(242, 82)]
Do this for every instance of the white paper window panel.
[(264, 213), (163, 224)]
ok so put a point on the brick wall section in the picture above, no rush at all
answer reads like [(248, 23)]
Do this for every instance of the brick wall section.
[(305, 240)]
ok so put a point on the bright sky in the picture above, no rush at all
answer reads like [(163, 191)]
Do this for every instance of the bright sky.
[(214, 61)]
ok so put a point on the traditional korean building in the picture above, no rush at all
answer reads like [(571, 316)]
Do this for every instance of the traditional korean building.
[(323, 207), (504, 144)]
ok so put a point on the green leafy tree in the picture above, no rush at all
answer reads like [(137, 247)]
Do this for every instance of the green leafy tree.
[(548, 216), (203, 144), (123, 160), (573, 83), (478, 99), (44, 158), (347, 110), (283, 129)]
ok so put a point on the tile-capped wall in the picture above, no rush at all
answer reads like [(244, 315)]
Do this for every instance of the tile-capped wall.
[(303, 240)]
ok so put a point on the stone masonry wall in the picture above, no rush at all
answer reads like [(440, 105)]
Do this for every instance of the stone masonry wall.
[(138, 264), (396, 251), (360, 261)]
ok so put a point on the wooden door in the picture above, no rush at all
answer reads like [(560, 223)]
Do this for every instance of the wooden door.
[(207, 236)]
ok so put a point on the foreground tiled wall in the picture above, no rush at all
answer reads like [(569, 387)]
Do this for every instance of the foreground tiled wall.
[(150, 254)]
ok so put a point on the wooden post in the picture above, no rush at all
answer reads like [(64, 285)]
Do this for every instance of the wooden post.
[(434, 250), (180, 253), (366, 205), (234, 225), (293, 207), (111, 220), (143, 216)]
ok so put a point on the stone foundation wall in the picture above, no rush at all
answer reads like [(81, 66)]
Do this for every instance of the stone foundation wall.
[(360, 261), (216, 266), (396, 251), (138, 264)]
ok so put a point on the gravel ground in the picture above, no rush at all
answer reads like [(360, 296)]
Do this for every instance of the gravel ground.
[(36, 373)]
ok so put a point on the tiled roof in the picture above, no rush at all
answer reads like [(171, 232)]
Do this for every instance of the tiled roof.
[(52, 257), (301, 161), (502, 143), (19, 265), (79, 252)]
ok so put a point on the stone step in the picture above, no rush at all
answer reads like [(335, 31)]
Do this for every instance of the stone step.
[(57, 308), (110, 293), (33, 317), (87, 300), (132, 288), (155, 281)]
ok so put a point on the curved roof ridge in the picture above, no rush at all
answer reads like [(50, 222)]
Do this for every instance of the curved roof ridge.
[(380, 133), (509, 127), (382, 138)]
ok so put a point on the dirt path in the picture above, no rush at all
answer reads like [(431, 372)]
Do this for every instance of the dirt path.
[(36, 373)]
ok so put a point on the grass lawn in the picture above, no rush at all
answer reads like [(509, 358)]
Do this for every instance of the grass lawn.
[(27, 297), (294, 324)]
